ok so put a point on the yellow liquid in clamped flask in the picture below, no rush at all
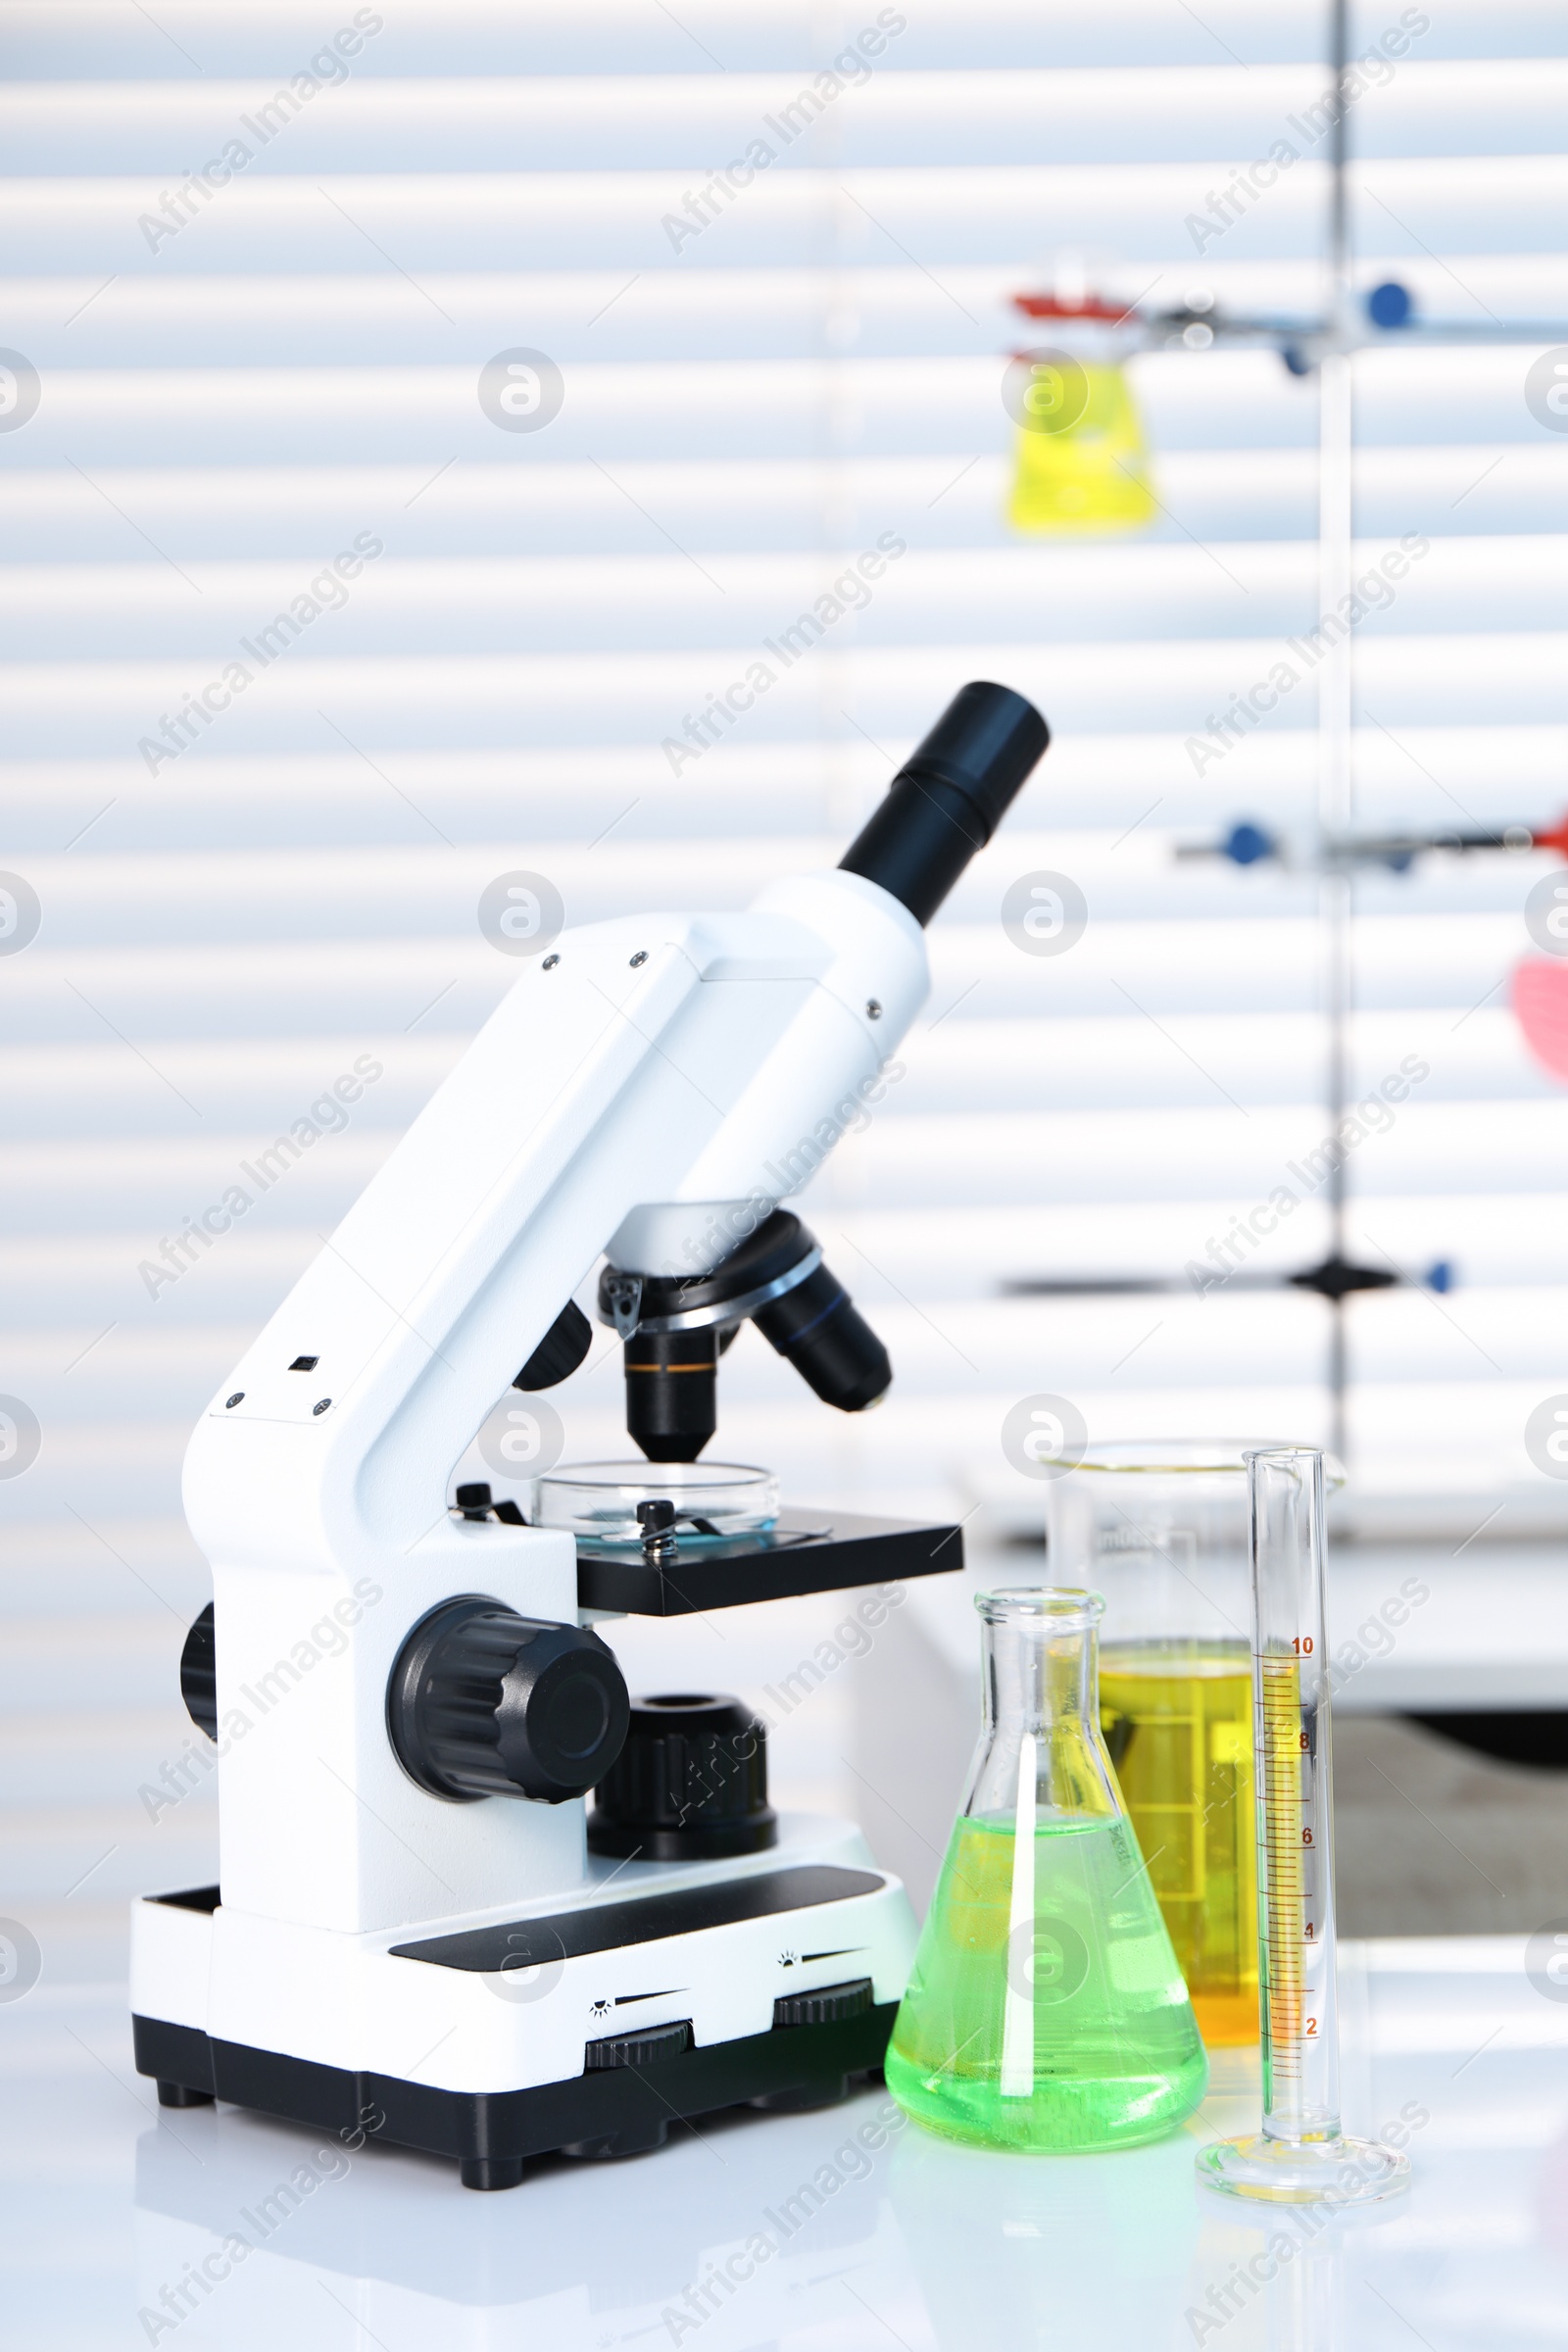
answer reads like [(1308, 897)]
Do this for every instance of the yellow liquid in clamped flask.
[(1080, 461), (1046, 2010), (1179, 1728)]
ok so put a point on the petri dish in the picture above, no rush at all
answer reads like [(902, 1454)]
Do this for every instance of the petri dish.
[(713, 1500)]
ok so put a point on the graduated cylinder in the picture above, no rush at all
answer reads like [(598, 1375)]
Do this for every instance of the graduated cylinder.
[(1302, 2155)]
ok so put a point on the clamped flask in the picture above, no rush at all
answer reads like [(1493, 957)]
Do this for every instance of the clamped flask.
[(1080, 461), (1046, 2010)]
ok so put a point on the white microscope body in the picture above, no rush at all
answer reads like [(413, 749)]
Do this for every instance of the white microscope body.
[(633, 1096)]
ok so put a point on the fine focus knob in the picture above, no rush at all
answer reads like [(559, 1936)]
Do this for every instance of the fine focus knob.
[(689, 1786), (485, 1703)]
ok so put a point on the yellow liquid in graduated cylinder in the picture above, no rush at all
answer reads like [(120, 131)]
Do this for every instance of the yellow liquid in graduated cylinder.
[(1179, 1725)]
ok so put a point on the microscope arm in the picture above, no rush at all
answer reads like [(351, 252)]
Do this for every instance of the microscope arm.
[(649, 1076), (664, 1068)]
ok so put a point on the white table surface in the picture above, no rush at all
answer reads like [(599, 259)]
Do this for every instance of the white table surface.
[(107, 2202)]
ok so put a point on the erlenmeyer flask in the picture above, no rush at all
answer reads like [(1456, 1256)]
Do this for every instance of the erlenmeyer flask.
[(1080, 464), (1046, 2009)]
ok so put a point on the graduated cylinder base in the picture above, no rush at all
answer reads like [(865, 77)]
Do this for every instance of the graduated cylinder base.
[(1330, 2170)]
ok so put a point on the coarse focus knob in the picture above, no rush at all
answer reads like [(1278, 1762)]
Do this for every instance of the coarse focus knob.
[(198, 1674), (690, 1783), (485, 1703)]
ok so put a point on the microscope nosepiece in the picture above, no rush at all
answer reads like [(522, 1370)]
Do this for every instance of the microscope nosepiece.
[(682, 1324)]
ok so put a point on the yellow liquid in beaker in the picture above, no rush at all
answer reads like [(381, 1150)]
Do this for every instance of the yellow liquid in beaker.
[(1179, 1725)]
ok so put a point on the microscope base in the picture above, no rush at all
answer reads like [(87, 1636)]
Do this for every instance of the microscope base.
[(769, 1982), (620, 2112)]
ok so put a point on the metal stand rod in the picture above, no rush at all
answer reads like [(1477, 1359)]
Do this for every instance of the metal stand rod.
[(1336, 790)]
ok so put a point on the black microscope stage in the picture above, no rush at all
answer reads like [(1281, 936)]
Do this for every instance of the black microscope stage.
[(804, 1552)]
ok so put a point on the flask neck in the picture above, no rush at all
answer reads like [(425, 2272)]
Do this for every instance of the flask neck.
[(1039, 1679), (1037, 1676)]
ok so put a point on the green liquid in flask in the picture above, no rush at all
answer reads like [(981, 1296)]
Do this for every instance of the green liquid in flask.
[(1046, 2009), (1063, 2025)]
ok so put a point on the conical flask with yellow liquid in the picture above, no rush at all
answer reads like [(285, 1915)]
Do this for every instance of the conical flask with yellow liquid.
[(1046, 2010), (1080, 462)]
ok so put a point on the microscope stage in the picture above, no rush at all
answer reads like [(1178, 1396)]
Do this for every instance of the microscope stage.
[(804, 1552)]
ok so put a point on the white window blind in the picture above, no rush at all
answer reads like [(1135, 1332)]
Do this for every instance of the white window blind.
[(252, 363)]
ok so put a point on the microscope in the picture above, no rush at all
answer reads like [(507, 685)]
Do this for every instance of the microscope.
[(422, 1932)]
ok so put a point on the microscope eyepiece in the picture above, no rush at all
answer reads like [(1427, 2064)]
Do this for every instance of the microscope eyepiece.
[(949, 797)]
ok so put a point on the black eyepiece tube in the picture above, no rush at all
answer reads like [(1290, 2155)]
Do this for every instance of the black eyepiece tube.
[(949, 797)]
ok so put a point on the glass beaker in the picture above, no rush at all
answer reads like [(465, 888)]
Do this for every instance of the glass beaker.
[(1161, 1530), (1046, 2009)]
